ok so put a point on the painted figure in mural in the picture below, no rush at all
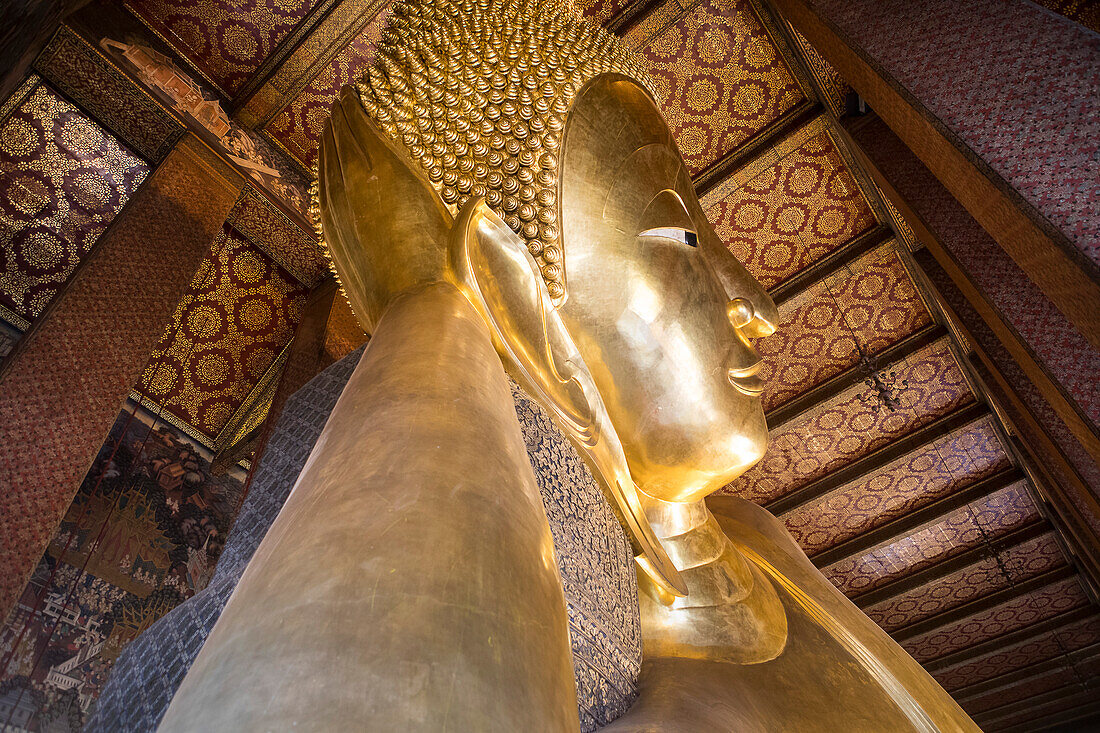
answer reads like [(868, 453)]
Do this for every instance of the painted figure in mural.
[(503, 176)]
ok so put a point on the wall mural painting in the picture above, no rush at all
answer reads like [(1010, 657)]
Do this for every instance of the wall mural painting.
[(203, 113), (142, 535)]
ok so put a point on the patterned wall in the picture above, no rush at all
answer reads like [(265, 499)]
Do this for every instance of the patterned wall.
[(1016, 58), (1041, 648), (64, 180), (848, 426), (225, 41), (963, 529), (1011, 615), (993, 573), (959, 459), (1057, 344), (240, 310), (1085, 12), (720, 78), (142, 535)]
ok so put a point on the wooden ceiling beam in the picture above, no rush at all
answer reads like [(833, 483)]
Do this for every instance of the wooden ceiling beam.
[(793, 119), (1075, 692), (1010, 639), (830, 388), (951, 565), (908, 523), (1090, 711), (634, 13), (875, 460), (831, 263), (1023, 674), (984, 603)]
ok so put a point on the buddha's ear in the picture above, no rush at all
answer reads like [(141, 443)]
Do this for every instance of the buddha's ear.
[(493, 268)]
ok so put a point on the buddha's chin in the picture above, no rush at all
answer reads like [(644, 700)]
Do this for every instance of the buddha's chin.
[(699, 474)]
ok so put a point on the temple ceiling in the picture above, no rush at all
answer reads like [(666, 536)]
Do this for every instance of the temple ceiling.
[(886, 464)]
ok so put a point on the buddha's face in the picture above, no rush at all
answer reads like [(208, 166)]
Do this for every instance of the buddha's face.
[(661, 311)]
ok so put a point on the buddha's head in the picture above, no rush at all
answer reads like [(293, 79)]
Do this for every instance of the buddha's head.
[(548, 121)]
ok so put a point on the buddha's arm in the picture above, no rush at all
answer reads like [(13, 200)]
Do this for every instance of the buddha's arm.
[(763, 642), (766, 542)]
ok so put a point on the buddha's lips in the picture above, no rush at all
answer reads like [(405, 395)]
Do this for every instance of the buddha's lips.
[(746, 380)]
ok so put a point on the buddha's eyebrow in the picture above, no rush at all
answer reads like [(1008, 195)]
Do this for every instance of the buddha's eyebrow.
[(641, 176)]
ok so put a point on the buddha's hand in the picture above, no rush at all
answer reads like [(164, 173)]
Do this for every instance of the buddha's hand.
[(385, 226)]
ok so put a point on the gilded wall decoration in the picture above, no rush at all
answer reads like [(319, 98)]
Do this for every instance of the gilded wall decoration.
[(226, 41), (720, 78), (963, 529), (142, 535), (834, 90), (239, 311), (792, 213), (79, 70), (293, 248), (64, 180), (871, 302)]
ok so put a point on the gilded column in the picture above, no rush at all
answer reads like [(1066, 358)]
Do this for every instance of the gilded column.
[(409, 582), (62, 387)]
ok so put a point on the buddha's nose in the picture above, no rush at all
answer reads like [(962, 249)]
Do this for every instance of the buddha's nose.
[(742, 314)]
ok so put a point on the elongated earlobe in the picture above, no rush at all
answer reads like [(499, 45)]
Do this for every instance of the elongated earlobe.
[(493, 268)]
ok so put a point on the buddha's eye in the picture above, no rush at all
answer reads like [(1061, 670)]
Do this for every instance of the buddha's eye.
[(683, 236)]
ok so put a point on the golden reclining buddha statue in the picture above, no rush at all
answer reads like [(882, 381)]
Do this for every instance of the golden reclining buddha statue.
[(501, 194)]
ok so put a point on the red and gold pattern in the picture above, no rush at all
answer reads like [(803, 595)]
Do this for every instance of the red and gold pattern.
[(1041, 648), (240, 310), (942, 468), (793, 213), (294, 249), (64, 180), (720, 78), (79, 70), (1026, 688), (983, 577), (1009, 616), (297, 128), (874, 299), (848, 426), (226, 41), (963, 529)]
